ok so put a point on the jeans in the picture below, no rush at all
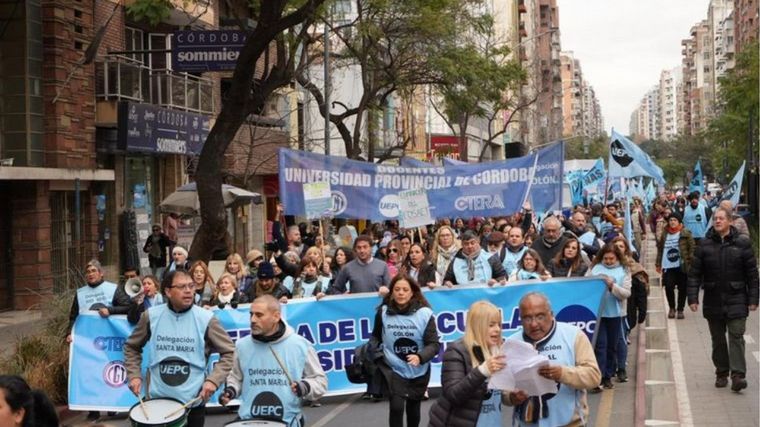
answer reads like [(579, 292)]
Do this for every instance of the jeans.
[(672, 279), (607, 338), (622, 346), (728, 357)]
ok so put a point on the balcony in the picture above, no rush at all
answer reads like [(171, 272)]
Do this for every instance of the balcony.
[(121, 78), (521, 6)]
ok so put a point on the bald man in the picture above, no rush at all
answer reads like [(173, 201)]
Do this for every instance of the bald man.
[(736, 220), (573, 366)]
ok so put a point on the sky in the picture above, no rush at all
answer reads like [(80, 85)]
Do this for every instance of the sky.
[(623, 45)]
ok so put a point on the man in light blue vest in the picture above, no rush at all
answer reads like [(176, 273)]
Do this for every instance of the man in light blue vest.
[(513, 250), (696, 217), (572, 365), (274, 369), (180, 337), (98, 295), (473, 265)]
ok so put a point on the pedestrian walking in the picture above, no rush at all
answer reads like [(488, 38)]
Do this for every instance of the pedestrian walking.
[(675, 251), (405, 327), (725, 267)]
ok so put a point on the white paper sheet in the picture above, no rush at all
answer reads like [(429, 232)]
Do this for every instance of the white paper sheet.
[(521, 373)]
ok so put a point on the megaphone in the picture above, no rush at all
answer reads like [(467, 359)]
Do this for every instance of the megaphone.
[(133, 287)]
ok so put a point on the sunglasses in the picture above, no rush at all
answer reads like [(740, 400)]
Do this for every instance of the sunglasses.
[(392, 250)]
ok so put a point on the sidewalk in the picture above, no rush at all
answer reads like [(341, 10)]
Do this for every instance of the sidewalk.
[(705, 405), (14, 324)]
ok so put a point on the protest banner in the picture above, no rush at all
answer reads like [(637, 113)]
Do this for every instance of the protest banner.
[(335, 325), (317, 199), (370, 191), (546, 189), (414, 209)]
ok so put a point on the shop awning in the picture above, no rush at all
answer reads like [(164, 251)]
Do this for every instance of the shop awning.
[(22, 173)]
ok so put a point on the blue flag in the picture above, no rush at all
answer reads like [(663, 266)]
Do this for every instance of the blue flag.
[(697, 182), (627, 160), (734, 189), (650, 194), (594, 175), (628, 225), (546, 190), (575, 179)]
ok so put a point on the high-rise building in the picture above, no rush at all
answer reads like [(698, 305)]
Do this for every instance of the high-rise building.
[(670, 85), (720, 47), (698, 96), (540, 40), (746, 22)]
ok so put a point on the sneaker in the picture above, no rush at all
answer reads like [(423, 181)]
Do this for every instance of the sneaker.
[(367, 396), (377, 397), (315, 404), (607, 383), (622, 376), (671, 314), (595, 390), (721, 381), (426, 396), (679, 315), (738, 382)]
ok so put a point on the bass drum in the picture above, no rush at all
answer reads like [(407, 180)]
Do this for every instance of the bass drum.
[(158, 410)]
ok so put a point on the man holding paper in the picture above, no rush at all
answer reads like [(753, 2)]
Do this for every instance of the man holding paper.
[(572, 365)]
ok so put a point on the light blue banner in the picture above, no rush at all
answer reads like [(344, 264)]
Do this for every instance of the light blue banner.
[(411, 162), (627, 160), (448, 161), (336, 325), (370, 191), (697, 182), (546, 191), (595, 175)]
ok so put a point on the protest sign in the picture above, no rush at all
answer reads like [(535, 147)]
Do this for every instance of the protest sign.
[(317, 199), (413, 207)]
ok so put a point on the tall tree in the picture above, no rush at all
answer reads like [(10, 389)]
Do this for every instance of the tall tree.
[(283, 24)]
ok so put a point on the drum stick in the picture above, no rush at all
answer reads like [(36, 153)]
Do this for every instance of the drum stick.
[(282, 365), (183, 407), (142, 408)]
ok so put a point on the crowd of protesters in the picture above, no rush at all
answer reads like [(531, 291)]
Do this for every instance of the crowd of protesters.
[(397, 264)]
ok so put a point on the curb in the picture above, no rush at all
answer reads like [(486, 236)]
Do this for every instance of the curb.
[(67, 417)]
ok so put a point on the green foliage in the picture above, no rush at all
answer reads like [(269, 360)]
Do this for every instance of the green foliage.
[(738, 104), (43, 358), (153, 11), (678, 156), (597, 147)]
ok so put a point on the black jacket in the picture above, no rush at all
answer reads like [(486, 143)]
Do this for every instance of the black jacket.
[(464, 388), (726, 269), (564, 267), (546, 251), (394, 384)]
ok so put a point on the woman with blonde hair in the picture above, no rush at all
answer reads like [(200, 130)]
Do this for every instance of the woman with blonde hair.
[(445, 247), (204, 283), (468, 363), (236, 267), (227, 292)]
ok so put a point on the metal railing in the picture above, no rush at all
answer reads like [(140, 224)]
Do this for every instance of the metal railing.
[(123, 78)]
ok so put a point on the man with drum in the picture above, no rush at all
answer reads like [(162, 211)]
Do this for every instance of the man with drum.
[(274, 369), (180, 337)]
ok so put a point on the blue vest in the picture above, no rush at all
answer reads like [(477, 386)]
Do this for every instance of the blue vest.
[(403, 335), (695, 220), (177, 352), (611, 306), (587, 238), (490, 410), (604, 228), (527, 275), (560, 349), (511, 258), (157, 299), (266, 393), (101, 294), (288, 282), (482, 270), (671, 252)]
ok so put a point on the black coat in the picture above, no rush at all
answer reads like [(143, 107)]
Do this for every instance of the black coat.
[(464, 388), (394, 384), (726, 269), (564, 267)]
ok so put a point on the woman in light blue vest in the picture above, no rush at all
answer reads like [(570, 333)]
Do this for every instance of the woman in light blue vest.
[(530, 267), (405, 327), (309, 283), (609, 265)]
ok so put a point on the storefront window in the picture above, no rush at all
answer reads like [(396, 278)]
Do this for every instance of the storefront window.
[(141, 185)]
